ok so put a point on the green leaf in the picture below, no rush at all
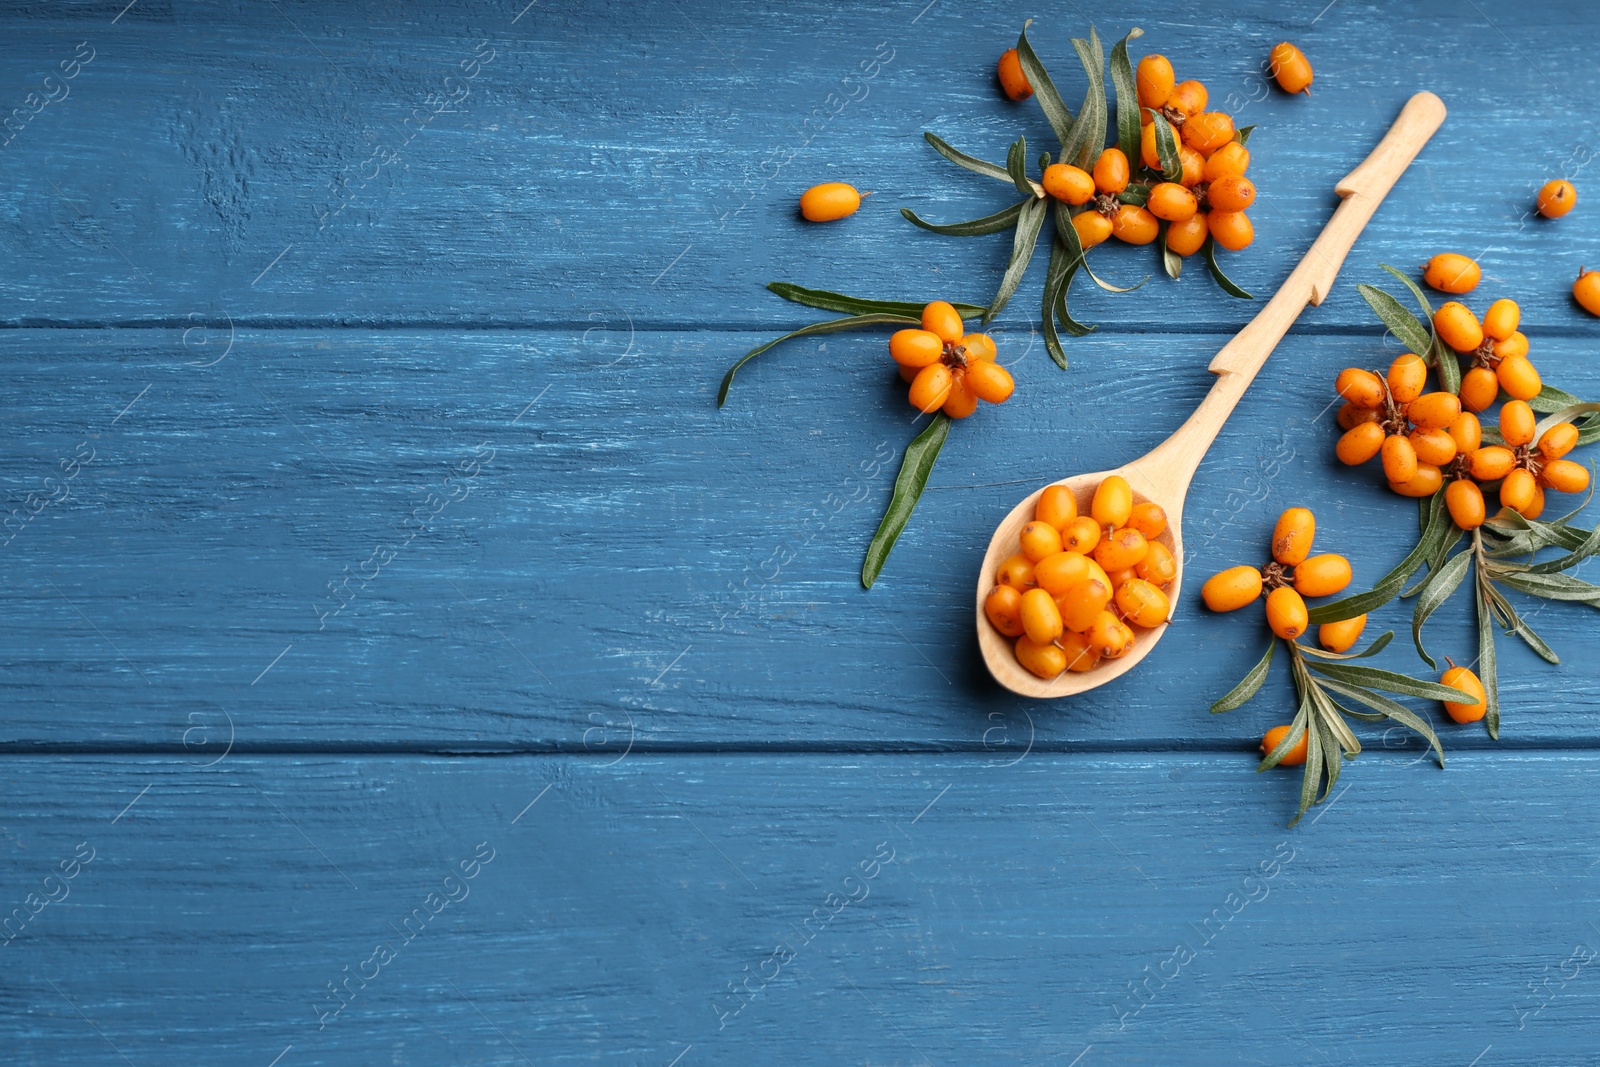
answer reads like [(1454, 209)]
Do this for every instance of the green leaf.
[(1390, 584), (854, 322), (1216, 272), (1390, 682), (908, 486), (1391, 710), (1089, 131), (1249, 685), (1373, 649), (1044, 90), (1127, 89), (1017, 166), (1242, 134), (1171, 262), (1549, 586), (1565, 413), (961, 159), (1332, 757), (1000, 220), (1070, 324), (1022, 245), (1137, 195), (1517, 536), (1449, 536), (850, 305), (1401, 322), (1435, 591), (1488, 672), (1336, 730), (1069, 237), (1416, 291), (1167, 149), (1516, 625), (1311, 779), (1588, 547), (1297, 730), (1552, 399), (1044, 163)]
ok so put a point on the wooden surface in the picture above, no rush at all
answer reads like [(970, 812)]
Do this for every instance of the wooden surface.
[(484, 388)]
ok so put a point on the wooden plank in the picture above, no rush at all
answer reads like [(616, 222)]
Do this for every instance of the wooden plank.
[(1107, 908), (625, 553), (606, 162)]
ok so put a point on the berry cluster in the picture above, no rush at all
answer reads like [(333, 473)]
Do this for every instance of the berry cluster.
[(1293, 575), (948, 368)]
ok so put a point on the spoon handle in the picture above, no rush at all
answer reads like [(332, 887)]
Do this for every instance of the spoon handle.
[(1236, 365)]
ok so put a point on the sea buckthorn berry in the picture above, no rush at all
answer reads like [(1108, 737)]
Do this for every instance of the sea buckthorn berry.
[(1208, 131), (1231, 229), (1080, 657), (1558, 440), (1457, 326), (1039, 539), (1172, 202), (943, 321), (1433, 411), (1113, 501), (1135, 225), (1045, 660), (1060, 571), (1292, 536), (1231, 194), (1479, 387), (1274, 737), (1189, 236), (829, 201), (1502, 319), (1124, 548), (1491, 463), (1231, 589), (1361, 387), (915, 348), (1465, 501), (1515, 345), (1193, 164), (1080, 535), (1149, 519), (1158, 566), (1341, 636), (1154, 80), (1463, 679), (1399, 459), (978, 346), (1286, 613), (1189, 98), (1322, 575), (1467, 432), (1586, 290), (1093, 228), (1142, 604), (1425, 482), (1081, 605), (1041, 619), (1290, 67), (1535, 509), (1229, 161), (1516, 490), (1106, 636), (991, 382), (962, 401), (1360, 443), (1350, 416), (1517, 422), (1111, 171), (931, 388), (1451, 272), (1565, 476), (1433, 446), (1017, 572), (908, 374), (1519, 378), (1408, 376), (1556, 198), (1067, 183), (1122, 577), (1057, 505), (1013, 82), (1003, 606)]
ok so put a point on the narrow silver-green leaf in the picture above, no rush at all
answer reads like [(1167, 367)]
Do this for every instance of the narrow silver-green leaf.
[(961, 159), (1451, 535), (1089, 131), (1378, 645), (1515, 624), (1017, 166), (1488, 672), (908, 486), (1390, 682), (1390, 584), (1242, 134), (1000, 220), (1166, 149), (850, 305), (1127, 90), (1550, 586), (1564, 413), (1249, 685), (1297, 730), (1044, 90), (1392, 710), (853, 322), (1222, 279), (1436, 591), (1171, 262), (1552, 399), (1588, 547), (1022, 245), (1312, 778), (1137, 195), (1400, 322)]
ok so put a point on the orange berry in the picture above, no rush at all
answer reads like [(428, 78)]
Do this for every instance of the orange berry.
[(1519, 378), (1208, 131), (1150, 147), (1479, 387), (978, 346), (1491, 463), (1586, 290), (962, 401), (1515, 345), (1425, 482), (1517, 422), (1274, 737), (1457, 326), (1135, 225), (1465, 501), (1286, 613), (990, 382), (1111, 171), (1142, 604), (1107, 637), (1017, 572), (908, 374), (1231, 589), (1231, 229), (1350, 416), (1360, 443), (1013, 82), (1433, 411), (1558, 440), (1067, 183), (1193, 164), (1341, 636), (942, 320), (1189, 98), (1080, 535), (1501, 320), (1158, 566), (1322, 575), (1093, 228), (915, 348), (1467, 432), (1172, 202), (1408, 376), (1231, 194), (1565, 476), (1041, 619), (1463, 679), (1060, 571), (1535, 509), (1149, 519), (1045, 660), (1003, 606), (1433, 446), (1081, 605), (1124, 548), (1189, 236), (1399, 459), (829, 201), (1080, 658), (931, 388), (1056, 505), (1229, 161), (1154, 80), (1292, 536), (1451, 272), (1039, 539), (1361, 387), (1290, 67), (1556, 198), (1113, 502), (1516, 491)]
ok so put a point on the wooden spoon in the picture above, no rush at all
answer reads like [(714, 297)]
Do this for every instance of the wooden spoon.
[(1164, 474)]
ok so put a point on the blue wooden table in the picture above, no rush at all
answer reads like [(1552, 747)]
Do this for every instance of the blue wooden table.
[(418, 668)]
